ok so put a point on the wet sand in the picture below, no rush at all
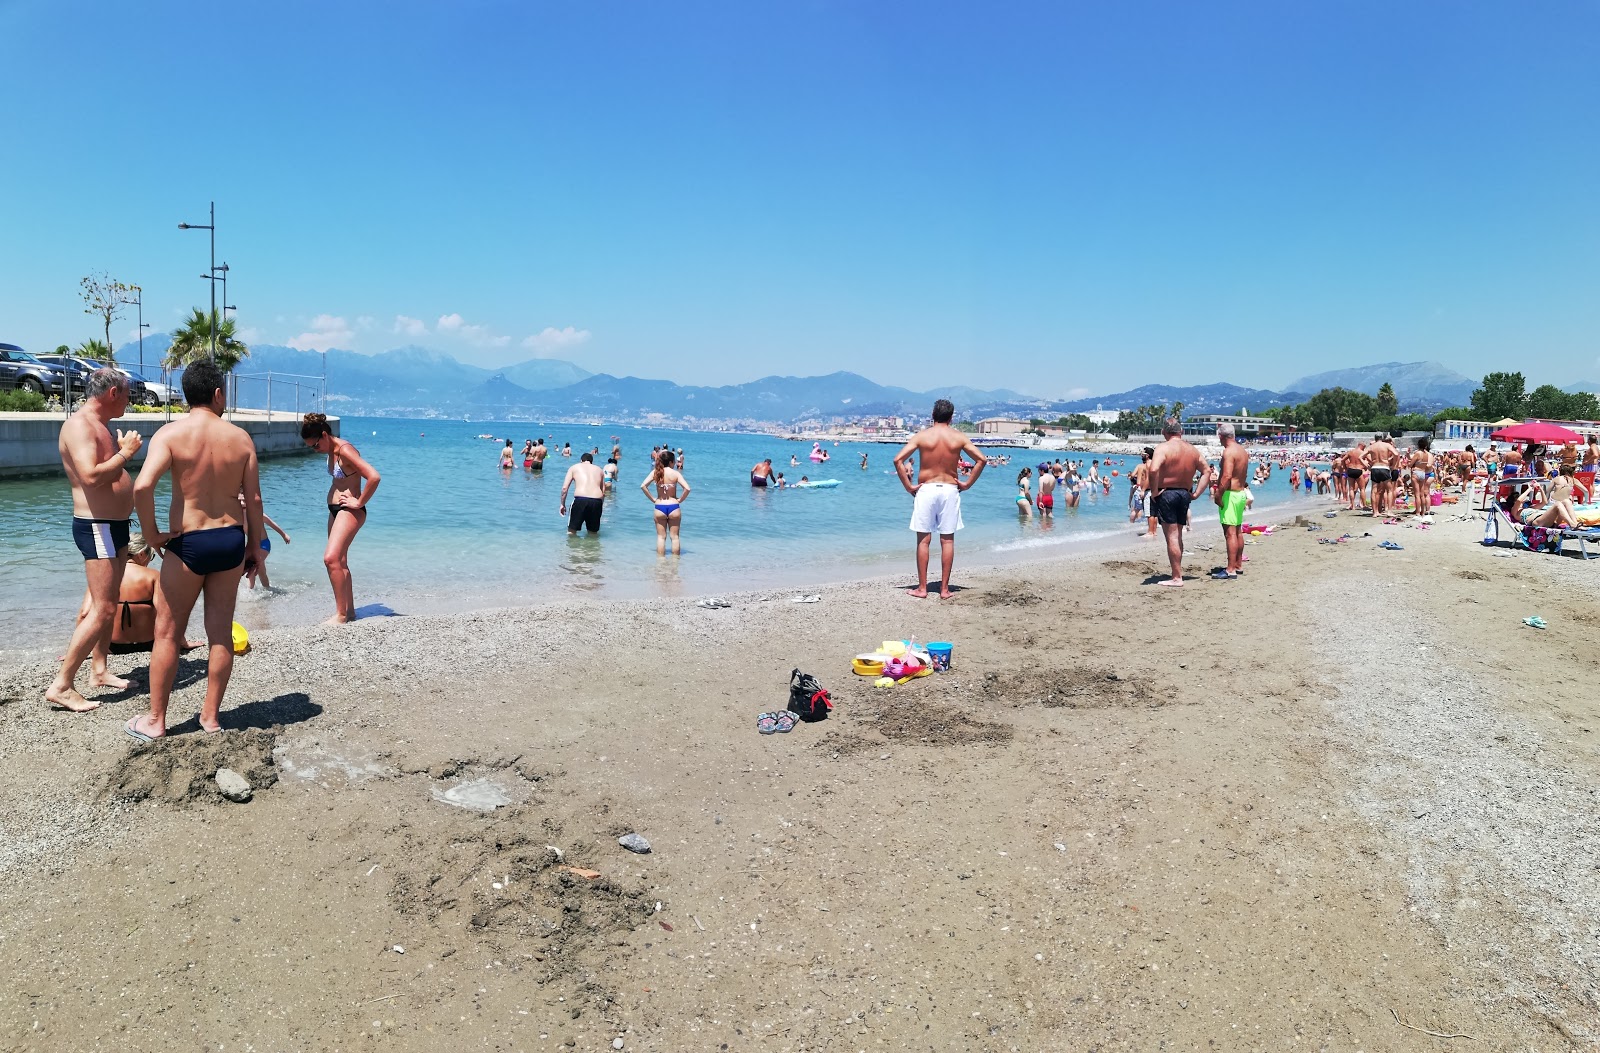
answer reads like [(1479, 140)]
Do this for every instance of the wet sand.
[(1341, 802)]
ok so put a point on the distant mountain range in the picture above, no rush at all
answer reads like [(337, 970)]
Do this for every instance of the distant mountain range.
[(420, 382), (1205, 398), (1414, 382)]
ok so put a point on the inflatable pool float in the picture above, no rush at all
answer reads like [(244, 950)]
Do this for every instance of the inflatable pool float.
[(818, 484)]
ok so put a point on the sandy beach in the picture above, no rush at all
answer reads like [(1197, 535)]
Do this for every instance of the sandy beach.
[(1344, 802)]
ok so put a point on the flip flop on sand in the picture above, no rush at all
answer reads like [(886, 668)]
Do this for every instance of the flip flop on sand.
[(131, 729), (1534, 622), (786, 722), (1222, 575), (1391, 546), (1168, 583), (767, 723)]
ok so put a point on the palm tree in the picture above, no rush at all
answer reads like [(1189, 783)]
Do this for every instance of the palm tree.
[(94, 351), (191, 342)]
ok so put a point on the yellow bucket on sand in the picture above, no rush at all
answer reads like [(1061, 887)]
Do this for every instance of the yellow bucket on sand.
[(241, 639)]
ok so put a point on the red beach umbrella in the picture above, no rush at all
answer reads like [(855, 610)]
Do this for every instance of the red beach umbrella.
[(1537, 431)]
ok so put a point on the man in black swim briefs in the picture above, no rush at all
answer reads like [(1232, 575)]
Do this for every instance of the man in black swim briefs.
[(1173, 470), (587, 481), (212, 463), (761, 474), (102, 500)]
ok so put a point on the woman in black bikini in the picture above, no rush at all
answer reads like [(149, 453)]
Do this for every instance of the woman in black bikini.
[(134, 629), (354, 481)]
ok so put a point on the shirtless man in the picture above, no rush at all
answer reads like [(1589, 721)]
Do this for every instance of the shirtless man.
[(1380, 460), (1047, 494), (937, 491), (537, 455), (102, 500), (761, 474), (587, 481), (212, 462), (1229, 495), (1173, 469), (1354, 466)]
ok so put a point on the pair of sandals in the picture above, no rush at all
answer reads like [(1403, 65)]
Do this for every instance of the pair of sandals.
[(774, 723), (1391, 546)]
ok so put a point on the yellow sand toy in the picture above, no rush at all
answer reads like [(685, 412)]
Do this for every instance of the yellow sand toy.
[(241, 639)]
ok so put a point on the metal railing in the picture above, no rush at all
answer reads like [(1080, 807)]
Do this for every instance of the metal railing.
[(279, 396)]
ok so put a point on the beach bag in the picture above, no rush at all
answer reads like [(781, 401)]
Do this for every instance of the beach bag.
[(807, 698)]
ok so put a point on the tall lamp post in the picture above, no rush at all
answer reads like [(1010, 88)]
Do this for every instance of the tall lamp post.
[(138, 302), (212, 227)]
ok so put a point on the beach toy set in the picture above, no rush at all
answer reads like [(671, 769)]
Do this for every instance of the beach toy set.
[(896, 662)]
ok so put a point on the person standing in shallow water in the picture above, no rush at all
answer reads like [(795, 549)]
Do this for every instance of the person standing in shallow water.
[(352, 483), (672, 489)]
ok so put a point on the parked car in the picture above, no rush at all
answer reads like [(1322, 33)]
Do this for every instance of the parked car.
[(151, 392), (18, 369)]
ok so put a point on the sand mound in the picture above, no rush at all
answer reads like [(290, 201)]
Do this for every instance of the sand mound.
[(1070, 688), (180, 769), (546, 914), (1010, 594)]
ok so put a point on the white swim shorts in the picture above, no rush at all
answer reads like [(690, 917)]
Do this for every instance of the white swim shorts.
[(937, 509)]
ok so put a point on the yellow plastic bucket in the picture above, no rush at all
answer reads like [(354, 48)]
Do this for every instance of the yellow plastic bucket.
[(241, 639)]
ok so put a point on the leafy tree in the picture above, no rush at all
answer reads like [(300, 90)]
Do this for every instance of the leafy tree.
[(93, 351), (1337, 409), (63, 349), (1500, 395), (1549, 402), (1388, 404), (1456, 413), (191, 342), (104, 296)]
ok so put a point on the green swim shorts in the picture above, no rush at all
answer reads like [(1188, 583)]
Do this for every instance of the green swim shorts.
[(1232, 509)]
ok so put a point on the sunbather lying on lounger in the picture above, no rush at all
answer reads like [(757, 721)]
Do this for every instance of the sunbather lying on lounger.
[(1553, 513)]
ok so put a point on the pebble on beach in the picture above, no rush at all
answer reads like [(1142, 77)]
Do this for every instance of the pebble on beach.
[(634, 843), (233, 785)]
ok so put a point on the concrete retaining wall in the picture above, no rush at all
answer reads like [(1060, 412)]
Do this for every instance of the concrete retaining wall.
[(28, 441)]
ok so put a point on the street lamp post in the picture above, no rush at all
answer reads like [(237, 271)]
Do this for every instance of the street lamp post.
[(212, 227), (139, 303)]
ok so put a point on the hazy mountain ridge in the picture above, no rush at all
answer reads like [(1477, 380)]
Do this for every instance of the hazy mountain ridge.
[(420, 381), (1204, 398), (1413, 382)]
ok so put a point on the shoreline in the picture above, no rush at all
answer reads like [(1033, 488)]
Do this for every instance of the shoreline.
[(1043, 548)]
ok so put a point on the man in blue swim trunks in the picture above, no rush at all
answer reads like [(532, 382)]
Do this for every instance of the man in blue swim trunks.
[(102, 500), (212, 463)]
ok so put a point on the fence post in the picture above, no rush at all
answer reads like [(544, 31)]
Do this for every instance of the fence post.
[(269, 402)]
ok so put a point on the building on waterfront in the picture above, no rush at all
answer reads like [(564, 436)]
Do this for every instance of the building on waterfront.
[(1245, 427), (1003, 426)]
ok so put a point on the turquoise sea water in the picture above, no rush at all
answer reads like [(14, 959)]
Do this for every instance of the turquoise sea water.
[(450, 531)]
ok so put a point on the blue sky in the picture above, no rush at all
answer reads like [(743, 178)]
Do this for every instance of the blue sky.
[(1056, 197)]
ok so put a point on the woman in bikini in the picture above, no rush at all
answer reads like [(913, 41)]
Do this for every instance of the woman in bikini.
[(672, 489), (1024, 497), (134, 629), (1421, 466), (353, 482)]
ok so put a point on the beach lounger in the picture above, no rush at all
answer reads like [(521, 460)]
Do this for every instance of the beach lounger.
[(1582, 537)]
